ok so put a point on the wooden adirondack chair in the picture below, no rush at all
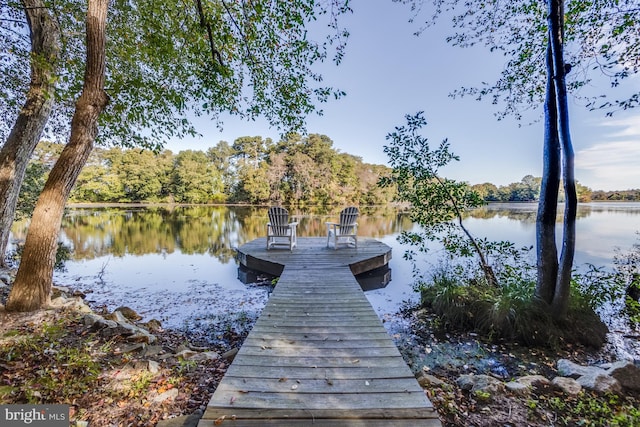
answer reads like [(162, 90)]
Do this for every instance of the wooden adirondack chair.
[(280, 232), (345, 231)]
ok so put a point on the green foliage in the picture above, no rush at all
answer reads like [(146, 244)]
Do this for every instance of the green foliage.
[(496, 313), (518, 30), (195, 180), (32, 185), (298, 170), (462, 300), (435, 201), (594, 287), (620, 287), (168, 64), (437, 204), (632, 310), (627, 277), (591, 409)]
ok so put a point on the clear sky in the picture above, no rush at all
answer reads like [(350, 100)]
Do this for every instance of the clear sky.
[(388, 72)]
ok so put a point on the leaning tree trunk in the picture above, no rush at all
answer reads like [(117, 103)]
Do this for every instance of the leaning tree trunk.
[(546, 250), (32, 287), (560, 302), (26, 132)]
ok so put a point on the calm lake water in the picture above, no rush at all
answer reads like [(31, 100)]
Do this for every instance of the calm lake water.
[(177, 264)]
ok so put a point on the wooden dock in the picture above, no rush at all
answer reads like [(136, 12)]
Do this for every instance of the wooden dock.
[(318, 355)]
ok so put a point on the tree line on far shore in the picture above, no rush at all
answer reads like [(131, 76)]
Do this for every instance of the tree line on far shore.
[(297, 171)]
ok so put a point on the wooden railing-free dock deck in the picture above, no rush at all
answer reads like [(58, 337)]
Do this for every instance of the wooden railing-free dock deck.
[(318, 355)]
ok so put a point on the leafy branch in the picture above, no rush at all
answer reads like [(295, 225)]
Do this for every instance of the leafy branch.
[(435, 201)]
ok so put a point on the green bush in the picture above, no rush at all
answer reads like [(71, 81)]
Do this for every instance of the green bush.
[(509, 312)]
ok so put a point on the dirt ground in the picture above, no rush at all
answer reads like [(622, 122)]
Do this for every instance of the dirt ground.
[(51, 356)]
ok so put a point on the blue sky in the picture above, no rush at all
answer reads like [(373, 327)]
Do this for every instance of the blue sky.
[(388, 72)]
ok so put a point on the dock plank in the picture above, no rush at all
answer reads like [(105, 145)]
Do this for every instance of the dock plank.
[(318, 354)]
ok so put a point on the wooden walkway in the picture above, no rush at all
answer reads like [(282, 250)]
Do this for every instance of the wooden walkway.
[(318, 355)]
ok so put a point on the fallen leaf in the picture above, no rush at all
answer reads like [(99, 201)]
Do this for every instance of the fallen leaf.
[(233, 399), (283, 379), (219, 420)]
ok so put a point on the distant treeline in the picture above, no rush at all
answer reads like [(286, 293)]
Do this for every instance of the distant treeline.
[(626, 195), (295, 171), (298, 170), (528, 190)]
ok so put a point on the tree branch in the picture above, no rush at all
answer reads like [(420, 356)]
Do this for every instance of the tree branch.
[(215, 54), (244, 38)]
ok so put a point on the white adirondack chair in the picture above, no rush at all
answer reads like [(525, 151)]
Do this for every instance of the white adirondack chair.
[(280, 232), (345, 232)]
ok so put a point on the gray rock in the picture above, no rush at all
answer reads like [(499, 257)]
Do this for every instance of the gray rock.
[(117, 316), (205, 355), (148, 365), (531, 380), (230, 355), (518, 388), (75, 303), (142, 336), (153, 325), (600, 382), (111, 327), (426, 380), (567, 385), (153, 350), (567, 368), (135, 333), (484, 383), (167, 395), (132, 348), (153, 366), (96, 322), (129, 313), (627, 374), (186, 353)]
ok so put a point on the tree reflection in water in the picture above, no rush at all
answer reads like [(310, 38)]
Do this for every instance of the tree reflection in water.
[(170, 261)]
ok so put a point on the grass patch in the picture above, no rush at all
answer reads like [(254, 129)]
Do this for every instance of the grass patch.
[(509, 312)]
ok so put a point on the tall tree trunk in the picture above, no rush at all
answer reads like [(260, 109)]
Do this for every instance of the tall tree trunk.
[(560, 302), (32, 118), (32, 286), (546, 250)]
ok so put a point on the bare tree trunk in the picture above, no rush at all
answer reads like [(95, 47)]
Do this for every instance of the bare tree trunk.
[(32, 286), (560, 302), (546, 250), (32, 118)]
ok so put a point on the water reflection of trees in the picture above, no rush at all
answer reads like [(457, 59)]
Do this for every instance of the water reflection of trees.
[(526, 212), (218, 230), (213, 230)]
